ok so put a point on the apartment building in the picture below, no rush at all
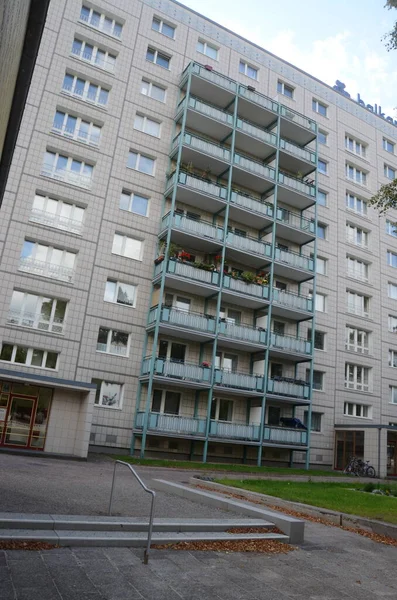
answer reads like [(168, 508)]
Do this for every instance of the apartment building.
[(190, 266)]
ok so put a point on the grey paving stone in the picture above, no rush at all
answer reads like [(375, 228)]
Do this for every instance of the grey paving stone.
[(120, 591), (38, 593), (3, 560), (7, 591)]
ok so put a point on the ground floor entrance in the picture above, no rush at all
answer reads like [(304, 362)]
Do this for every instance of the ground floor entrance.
[(347, 444), (24, 415), (392, 453)]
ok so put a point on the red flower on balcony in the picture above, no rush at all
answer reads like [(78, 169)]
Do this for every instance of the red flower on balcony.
[(184, 255), (205, 364)]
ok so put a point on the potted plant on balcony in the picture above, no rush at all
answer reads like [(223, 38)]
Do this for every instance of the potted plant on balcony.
[(205, 364), (160, 256), (184, 256), (262, 278), (207, 173), (248, 276), (173, 251)]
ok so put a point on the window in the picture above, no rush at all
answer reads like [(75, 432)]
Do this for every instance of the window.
[(158, 58), (286, 90), (94, 55), (356, 175), (391, 259), (47, 261), (37, 312), (120, 293), (318, 379), (226, 362), (357, 410), (357, 340), (356, 235), (322, 166), (56, 213), (357, 269), (392, 324), (393, 394), (221, 410), (67, 169), (162, 27), (321, 265), (141, 162), (391, 228), (321, 231), (279, 327), (322, 137), (353, 145), (319, 339), (108, 394), (322, 198), (316, 421), (166, 402), (85, 90), (388, 146), (357, 378), (389, 172), (392, 290), (100, 21), (30, 357), (207, 49), (153, 90), (319, 108), (246, 69), (112, 341), (134, 203), (356, 204), (393, 359), (319, 303), (357, 304), (127, 246), (147, 125), (76, 128)]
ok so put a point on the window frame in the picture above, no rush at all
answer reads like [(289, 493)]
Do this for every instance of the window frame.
[(319, 107), (355, 146), (76, 225), (359, 372), (361, 273), (99, 394), (40, 300), (151, 85), (102, 20), (110, 331), (392, 358), (163, 23), (76, 135), (354, 233), (325, 163), (325, 136), (131, 197), (156, 54), (391, 258), (363, 299), (145, 121), (139, 157), (205, 46), (358, 176), (385, 143), (355, 408), (282, 87), (316, 415), (356, 346), (389, 170), (116, 293), (245, 70), (29, 356), (123, 245), (355, 201), (85, 95), (107, 62)]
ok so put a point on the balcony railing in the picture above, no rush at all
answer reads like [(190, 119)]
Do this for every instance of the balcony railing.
[(198, 183), (92, 139), (295, 220), (252, 204), (241, 381), (303, 187), (102, 25), (297, 118), (102, 63), (249, 244), (282, 435), (46, 269), (290, 343), (203, 145), (242, 332), (291, 300), (79, 179), (92, 96), (259, 99), (293, 259), (112, 349), (207, 109), (257, 132), (194, 226), (284, 386), (254, 166), (176, 370), (188, 271), (172, 423), (58, 221), (182, 318), (212, 76), (35, 321), (238, 431), (304, 153), (247, 289)]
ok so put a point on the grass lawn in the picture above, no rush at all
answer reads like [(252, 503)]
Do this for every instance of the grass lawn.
[(185, 464), (341, 497)]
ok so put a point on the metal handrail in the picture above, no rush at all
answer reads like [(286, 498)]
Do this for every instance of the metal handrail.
[(149, 537)]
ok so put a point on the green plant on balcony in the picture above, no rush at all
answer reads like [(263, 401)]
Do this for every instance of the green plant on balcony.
[(204, 265), (248, 276), (207, 173), (262, 278), (174, 250)]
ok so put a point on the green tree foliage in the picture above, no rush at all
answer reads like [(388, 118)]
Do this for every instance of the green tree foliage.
[(391, 37)]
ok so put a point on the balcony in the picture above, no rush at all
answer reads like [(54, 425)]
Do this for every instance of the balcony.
[(173, 424), (293, 226), (202, 152), (198, 192), (292, 306), (36, 321), (245, 244), (46, 269), (252, 173), (209, 85), (66, 176), (249, 210), (295, 191), (187, 374), (235, 335), (188, 278), (251, 295), (288, 344), (190, 325), (56, 221), (256, 107), (234, 431), (289, 388), (205, 117), (239, 382), (282, 435), (292, 265), (295, 158), (209, 236), (296, 127), (253, 139)]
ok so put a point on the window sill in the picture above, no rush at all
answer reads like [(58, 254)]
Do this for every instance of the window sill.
[(156, 65), (92, 28), (354, 417), (158, 137), (34, 330), (155, 99), (91, 64), (120, 303), (84, 101), (362, 186), (206, 56), (108, 407), (8, 362), (141, 172), (112, 354), (129, 257), (167, 37)]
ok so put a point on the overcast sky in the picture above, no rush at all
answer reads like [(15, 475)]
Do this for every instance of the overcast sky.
[(330, 39)]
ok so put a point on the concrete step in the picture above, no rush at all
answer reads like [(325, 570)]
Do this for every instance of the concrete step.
[(104, 523), (122, 538)]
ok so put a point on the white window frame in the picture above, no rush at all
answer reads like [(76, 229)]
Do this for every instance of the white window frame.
[(356, 410), (109, 29), (82, 178), (100, 395), (139, 157), (391, 228), (325, 135), (391, 259), (57, 220), (92, 137), (387, 144), (161, 24), (29, 357), (231, 408), (150, 86), (324, 228), (109, 343), (321, 261), (357, 269), (145, 120), (325, 163), (123, 246), (131, 197), (389, 172), (357, 304), (107, 62), (324, 196), (315, 415), (46, 268), (156, 54), (356, 204), (390, 326), (354, 146), (162, 402), (207, 48), (356, 235), (359, 372), (392, 287), (35, 320), (393, 394), (392, 358), (320, 299), (360, 343), (248, 70), (283, 87), (320, 108), (86, 95), (116, 293), (357, 175)]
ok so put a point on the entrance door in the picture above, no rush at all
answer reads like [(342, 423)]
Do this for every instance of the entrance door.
[(392, 457), (18, 426)]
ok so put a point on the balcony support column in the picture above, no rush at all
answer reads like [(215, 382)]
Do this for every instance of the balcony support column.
[(291, 459)]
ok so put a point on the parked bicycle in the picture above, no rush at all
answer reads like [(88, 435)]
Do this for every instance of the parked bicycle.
[(359, 468)]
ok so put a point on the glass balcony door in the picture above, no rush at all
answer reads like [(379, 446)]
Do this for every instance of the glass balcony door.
[(19, 421)]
